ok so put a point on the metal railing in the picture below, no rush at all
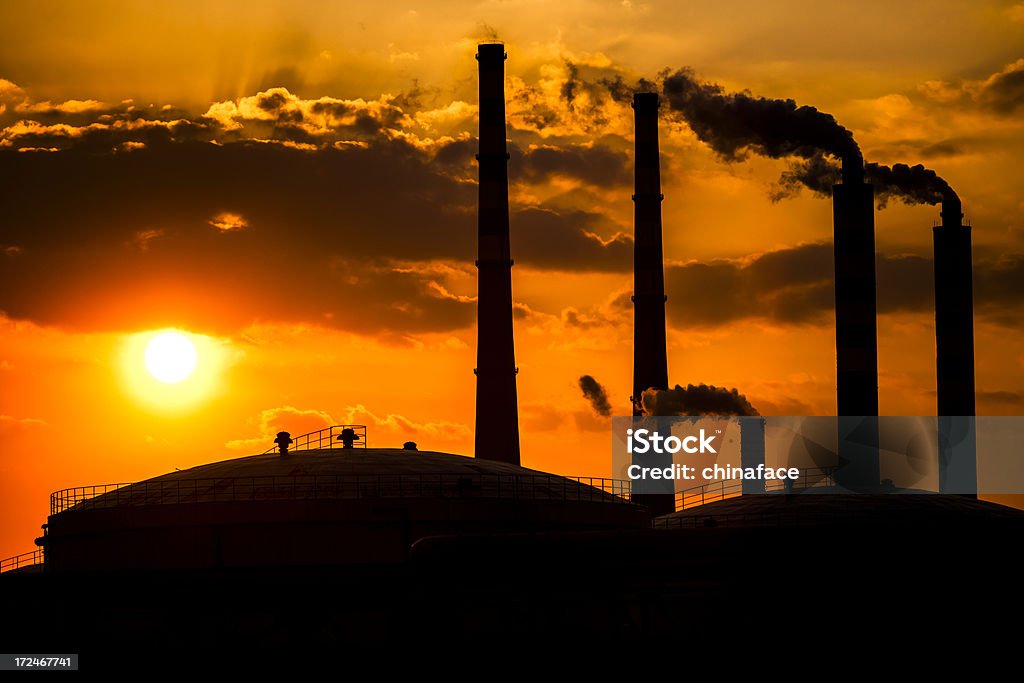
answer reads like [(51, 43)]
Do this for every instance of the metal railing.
[(722, 489), (325, 439), (21, 561), (331, 487), (339, 487)]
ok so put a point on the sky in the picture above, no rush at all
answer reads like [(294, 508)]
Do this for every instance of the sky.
[(292, 186)]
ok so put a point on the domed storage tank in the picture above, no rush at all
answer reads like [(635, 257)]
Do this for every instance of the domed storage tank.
[(317, 507)]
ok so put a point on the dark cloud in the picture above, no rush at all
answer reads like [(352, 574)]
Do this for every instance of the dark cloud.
[(596, 394), (794, 286), (594, 164), (1007, 397), (791, 286), (566, 241), (119, 226), (701, 399), (1003, 92)]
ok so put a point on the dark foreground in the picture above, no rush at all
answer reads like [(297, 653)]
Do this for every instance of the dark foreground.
[(850, 585)]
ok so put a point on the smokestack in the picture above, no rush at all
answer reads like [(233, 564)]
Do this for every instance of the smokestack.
[(650, 361), (497, 411), (954, 345), (856, 328)]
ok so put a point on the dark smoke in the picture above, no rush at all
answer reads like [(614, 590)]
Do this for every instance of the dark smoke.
[(818, 174), (621, 91), (702, 399), (736, 124), (908, 184), (596, 394), (572, 82), (487, 32)]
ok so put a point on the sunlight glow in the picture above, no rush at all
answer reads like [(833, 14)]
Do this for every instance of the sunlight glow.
[(170, 357), (174, 371)]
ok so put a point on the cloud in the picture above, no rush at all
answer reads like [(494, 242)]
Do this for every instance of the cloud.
[(400, 429), (1014, 398), (225, 221), (343, 191), (290, 419), (593, 164), (793, 286), (382, 432), (10, 424), (1001, 93)]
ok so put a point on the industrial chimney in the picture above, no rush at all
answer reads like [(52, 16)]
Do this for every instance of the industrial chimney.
[(954, 345), (650, 362), (497, 411), (856, 328)]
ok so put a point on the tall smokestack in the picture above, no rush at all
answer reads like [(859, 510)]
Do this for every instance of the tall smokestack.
[(497, 411), (954, 345), (650, 361), (856, 328)]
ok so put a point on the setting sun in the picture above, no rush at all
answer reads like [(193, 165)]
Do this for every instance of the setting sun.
[(170, 357), (171, 371)]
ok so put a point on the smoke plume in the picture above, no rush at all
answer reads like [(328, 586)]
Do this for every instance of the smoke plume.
[(908, 184), (736, 124), (900, 182), (702, 399), (596, 394), (818, 174)]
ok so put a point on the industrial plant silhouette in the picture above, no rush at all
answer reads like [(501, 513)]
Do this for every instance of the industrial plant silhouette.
[(324, 540)]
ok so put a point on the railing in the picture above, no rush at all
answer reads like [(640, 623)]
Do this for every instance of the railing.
[(721, 489), (337, 487), (331, 487), (21, 561), (68, 498), (327, 438)]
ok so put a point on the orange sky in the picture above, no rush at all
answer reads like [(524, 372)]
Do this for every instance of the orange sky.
[(293, 182)]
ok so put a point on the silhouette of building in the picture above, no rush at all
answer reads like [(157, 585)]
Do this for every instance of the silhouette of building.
[(856, 327), (326, 506), (497, 408)]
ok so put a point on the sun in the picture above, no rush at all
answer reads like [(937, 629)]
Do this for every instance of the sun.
[(170, 357), (174, 371)]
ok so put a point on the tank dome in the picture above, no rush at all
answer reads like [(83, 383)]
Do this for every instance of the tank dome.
[(316, 507)]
